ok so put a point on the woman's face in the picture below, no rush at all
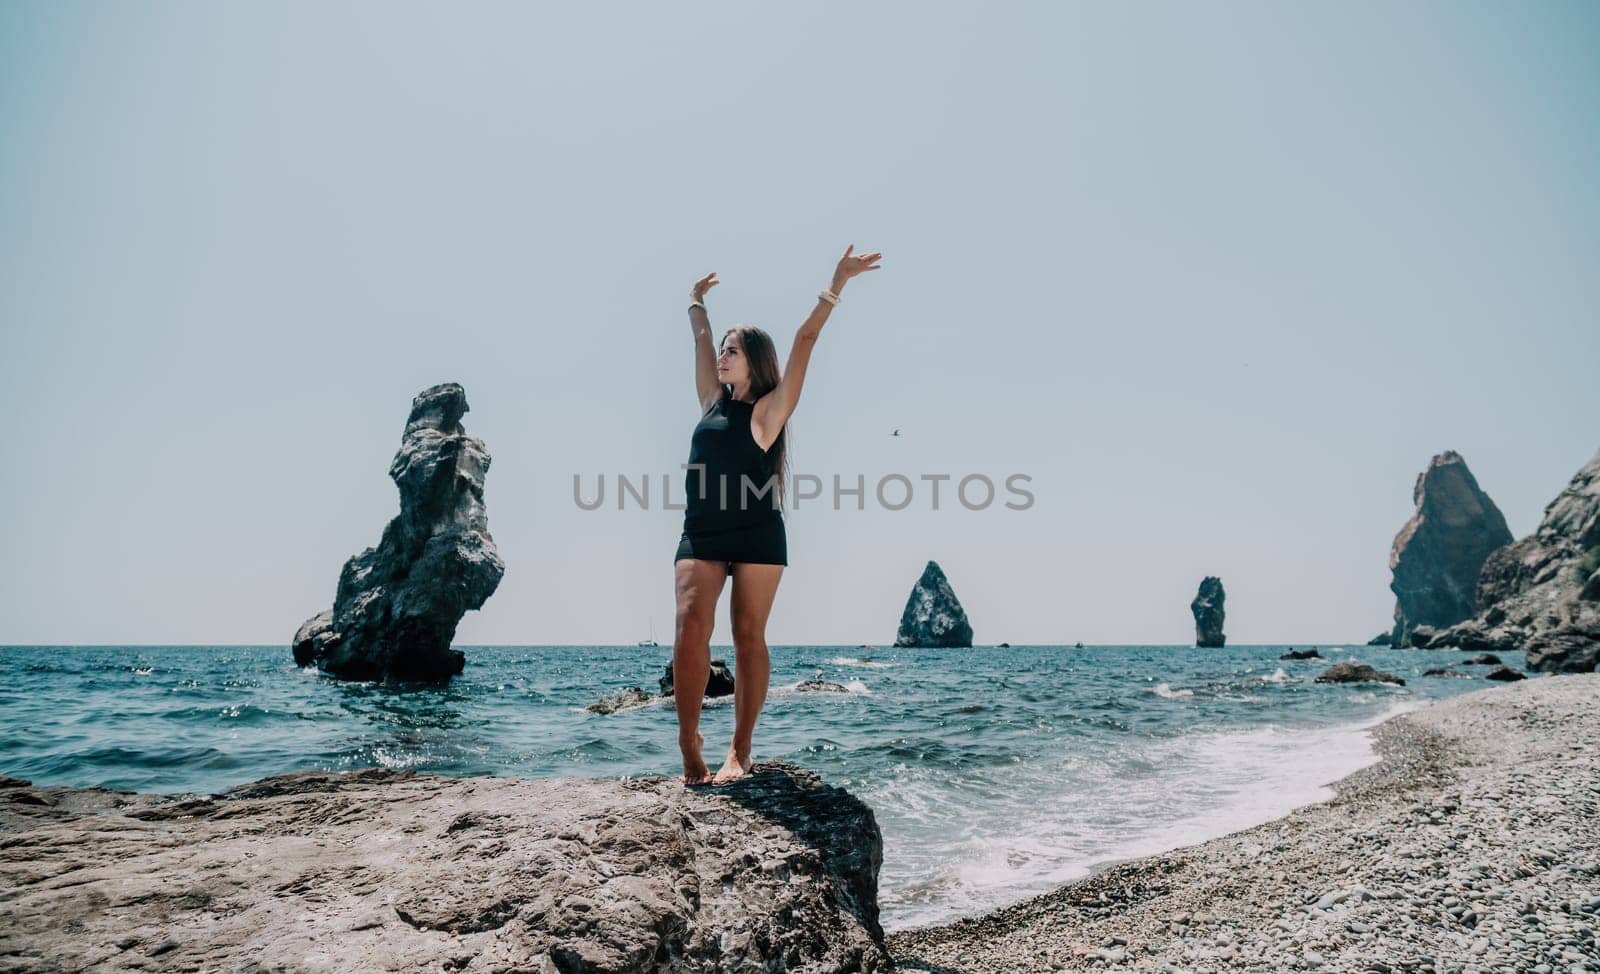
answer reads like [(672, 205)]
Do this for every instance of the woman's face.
[(732, 367)]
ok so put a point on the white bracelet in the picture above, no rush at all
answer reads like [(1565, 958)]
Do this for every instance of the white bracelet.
[(829, 297), (693, 303)]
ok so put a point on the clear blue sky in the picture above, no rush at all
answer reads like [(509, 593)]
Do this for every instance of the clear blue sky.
[(1220, 279)]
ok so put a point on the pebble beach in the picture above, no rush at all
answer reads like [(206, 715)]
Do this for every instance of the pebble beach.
[(1472, 845)]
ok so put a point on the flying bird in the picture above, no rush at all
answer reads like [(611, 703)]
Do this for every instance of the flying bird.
[(896, 431)]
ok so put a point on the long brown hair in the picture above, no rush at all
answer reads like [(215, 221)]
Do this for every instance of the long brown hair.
[(761, 356)]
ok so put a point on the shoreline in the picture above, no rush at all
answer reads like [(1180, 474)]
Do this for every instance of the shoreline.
[(1234, 814), (1478, 813)]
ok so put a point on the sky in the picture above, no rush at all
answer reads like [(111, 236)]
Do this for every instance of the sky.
[(1218, 280)]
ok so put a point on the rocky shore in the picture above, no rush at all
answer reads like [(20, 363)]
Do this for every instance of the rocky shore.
[(395, 871), (1473, 845)]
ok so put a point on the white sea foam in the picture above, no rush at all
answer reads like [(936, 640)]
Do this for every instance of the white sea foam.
[(1278, 676), (958, 843), (852, 661), (1166, 692)]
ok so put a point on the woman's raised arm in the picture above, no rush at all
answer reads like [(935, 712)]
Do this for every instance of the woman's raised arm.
[(775, 408), (707, 388)]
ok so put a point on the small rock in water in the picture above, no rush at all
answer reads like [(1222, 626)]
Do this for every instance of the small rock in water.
[(1346, 671), (819, 686), (719, 682), (621, 700)]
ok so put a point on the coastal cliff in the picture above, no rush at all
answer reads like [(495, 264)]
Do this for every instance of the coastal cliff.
[(1438, 552), (1541, 594)]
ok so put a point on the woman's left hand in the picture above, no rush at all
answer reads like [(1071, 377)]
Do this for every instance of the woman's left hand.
[(851, 265)]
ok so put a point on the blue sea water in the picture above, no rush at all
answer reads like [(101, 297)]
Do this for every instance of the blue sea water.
[(994, 773)]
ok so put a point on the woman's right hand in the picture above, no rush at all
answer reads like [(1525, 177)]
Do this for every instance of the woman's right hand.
[(703, 285)]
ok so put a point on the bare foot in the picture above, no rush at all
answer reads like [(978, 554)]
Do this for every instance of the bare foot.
[(695, 771), (732, 769)]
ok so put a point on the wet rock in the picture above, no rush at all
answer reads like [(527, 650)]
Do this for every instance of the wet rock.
[(397, 606), (933, 615), (1444, 671), (1347, 671), (1436, 556), (1209, 613), (625, 699), (1301, 654), (1482, 659), (1504, 673), (820, 686), (719, 682)]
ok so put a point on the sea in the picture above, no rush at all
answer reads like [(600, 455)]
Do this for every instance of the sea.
[(994, 773)]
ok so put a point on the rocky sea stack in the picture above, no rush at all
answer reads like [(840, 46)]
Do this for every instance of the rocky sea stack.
[(384, 870), (1541, 594), (933, 615), (1208, 613), (398, 605), (1437, 555)]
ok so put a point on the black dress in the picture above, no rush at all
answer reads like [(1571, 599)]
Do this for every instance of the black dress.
[(731, 509)]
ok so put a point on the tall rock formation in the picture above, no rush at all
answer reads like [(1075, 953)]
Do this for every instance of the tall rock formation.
[(1542, 593), (398, 605), (1209, 613), (933, 615), (1437, 555)]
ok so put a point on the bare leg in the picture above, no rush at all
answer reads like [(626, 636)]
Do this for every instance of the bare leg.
[(699, 585), (754, 587)]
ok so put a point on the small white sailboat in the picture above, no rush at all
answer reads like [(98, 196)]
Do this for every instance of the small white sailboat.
[(652, 640)]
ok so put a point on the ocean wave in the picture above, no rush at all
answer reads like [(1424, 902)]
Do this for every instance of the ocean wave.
[(1059, 823), (1166, 692), (852, 661), (238, 714)]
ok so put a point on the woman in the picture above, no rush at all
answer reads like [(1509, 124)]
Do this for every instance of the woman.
[(733, 518)]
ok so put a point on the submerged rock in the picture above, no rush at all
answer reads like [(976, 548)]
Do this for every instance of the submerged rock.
[(1482, 659), (719, 681), (820, 686), (1208, 613), (1346, 671), (392, 870), (933, 615), (1534, 595), (625, 699), (1445, 671), (1301, 654), (1437, 555), (1504, 673), (397, 605)]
